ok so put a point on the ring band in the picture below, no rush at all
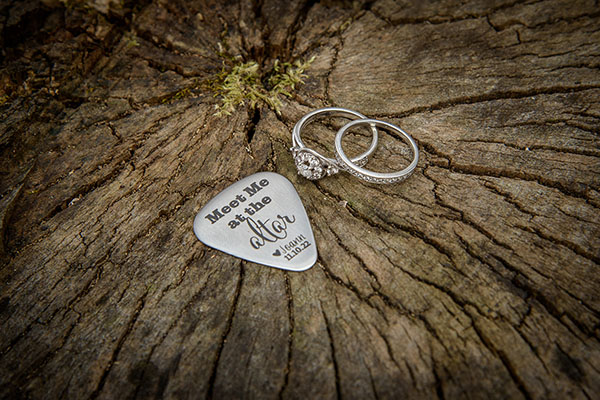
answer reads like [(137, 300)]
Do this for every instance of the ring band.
[(370, 176), (310, 163)]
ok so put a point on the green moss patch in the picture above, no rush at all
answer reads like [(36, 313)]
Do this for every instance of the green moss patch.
[(244, 83)]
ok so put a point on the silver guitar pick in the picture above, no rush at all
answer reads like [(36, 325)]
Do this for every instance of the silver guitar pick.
[(260, 219)]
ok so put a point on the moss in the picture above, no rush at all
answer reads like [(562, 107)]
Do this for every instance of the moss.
[(78, 5), (130, 40), (345, 25), (243, 83), (182, 93)]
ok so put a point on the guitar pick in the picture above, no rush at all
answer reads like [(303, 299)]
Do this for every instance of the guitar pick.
[(260, 219)]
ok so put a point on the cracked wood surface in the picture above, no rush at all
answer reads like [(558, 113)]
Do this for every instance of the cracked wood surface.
[(478, 277)]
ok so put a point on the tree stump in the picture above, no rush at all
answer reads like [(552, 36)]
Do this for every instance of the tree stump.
[(478, 277)]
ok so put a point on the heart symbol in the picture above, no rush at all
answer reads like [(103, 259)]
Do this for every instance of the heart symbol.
[(251, 218)]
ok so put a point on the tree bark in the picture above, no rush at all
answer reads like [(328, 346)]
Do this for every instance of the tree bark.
[(478, 277)]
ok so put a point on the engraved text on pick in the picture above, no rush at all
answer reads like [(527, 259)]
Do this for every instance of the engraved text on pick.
[(244, 208)]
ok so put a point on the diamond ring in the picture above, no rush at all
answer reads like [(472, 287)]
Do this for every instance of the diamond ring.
[(348, 165), (311, 164)]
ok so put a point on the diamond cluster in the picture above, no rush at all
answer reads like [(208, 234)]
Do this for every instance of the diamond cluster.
[(309, 166), (312, 167)]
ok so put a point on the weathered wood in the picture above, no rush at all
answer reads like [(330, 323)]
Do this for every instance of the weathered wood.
[(476, 278)]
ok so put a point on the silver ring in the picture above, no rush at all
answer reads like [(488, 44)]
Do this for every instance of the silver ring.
[(370, 176), (311, 164)]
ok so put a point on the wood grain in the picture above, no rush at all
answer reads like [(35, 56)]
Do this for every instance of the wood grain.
[(478, 277)]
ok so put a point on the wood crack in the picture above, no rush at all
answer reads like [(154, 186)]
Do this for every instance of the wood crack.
[(215, 364), (388, 348), (514, 94), (360, 261), (577, 249), (393, 228), (71, 83), (119, 346), (506, 362), (577, 151), (336, 368), (523, 282), (567, 189), (447, 19), (173, 324), (291, 321)]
